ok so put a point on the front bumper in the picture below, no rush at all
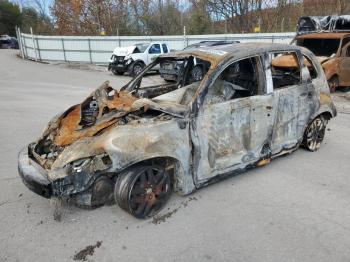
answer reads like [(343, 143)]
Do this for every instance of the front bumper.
[(116, 66), (33, 175)]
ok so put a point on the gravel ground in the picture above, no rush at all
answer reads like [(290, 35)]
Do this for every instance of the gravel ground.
[(294, 209)]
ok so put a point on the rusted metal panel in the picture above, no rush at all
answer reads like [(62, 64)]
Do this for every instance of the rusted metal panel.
[(323, 35), (335, 66)]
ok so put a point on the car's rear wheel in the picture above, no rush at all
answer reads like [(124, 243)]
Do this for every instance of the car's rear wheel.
[(314, 134), (143, 190)]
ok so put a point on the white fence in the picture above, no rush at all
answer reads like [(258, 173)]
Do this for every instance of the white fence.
[(98, 49)]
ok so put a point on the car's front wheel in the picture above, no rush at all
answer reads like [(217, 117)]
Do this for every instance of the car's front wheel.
[(143, 190), (314, 134), (137, 68)]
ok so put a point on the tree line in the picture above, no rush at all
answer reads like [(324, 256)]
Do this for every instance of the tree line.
[(161, 17)]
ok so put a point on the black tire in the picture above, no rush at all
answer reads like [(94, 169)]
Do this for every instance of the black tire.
[(314, 134), (197, 73), (137, 68), (143, 190)]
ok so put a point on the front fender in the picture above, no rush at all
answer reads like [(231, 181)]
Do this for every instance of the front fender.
[(131, 144), (325, 109)]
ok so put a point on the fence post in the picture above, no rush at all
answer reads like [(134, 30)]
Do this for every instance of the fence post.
[(90, 50), (36, 55), (64, 52), (119, 43), (23, 40), (184, 38), (38, 48), (19, 41)]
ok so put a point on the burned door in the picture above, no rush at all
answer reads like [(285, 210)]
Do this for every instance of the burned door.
[(344, 66), (234, 122), (292, 94)]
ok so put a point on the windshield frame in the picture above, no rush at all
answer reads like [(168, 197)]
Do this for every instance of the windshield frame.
[(141, 47)]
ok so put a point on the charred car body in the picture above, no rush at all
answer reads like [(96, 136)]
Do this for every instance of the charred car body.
[(313, 24), (256, 102), (329, 39)]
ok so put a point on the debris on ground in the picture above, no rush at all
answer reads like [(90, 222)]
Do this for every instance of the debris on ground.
[(87, 251)]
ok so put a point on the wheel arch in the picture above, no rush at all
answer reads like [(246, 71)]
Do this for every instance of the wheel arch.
[(138, 61), (181, 181), (131, 66), (326, 112)]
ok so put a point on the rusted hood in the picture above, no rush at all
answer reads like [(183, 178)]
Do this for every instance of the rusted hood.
[(103, 108)]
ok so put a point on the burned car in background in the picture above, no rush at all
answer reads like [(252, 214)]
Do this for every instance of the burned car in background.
[(329, 39), (169, 70), (136, 145), (313, 24)]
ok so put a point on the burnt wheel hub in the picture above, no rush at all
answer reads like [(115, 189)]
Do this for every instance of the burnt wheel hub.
[(150, 191)]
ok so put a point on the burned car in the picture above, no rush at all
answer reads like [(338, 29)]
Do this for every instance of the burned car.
[(333, 52), (137, 144), (328, 37), (330, 23)]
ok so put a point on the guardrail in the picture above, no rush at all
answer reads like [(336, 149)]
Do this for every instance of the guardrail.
[(98, 49)]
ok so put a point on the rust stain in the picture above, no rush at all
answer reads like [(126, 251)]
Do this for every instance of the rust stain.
[(331, 67), (323, 35), (69, 129), (263, 162), (289, 61), (285, 61), (122, 101), (325, 98)]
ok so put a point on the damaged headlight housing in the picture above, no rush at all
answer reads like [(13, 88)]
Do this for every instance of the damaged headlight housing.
[(81, 174), (89, 165), (128, 59)]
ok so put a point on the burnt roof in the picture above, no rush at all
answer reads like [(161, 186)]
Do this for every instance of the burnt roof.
[(216, 54), (324, 35)]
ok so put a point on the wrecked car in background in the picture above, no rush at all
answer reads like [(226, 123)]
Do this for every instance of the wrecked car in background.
[(313, 24), (133, 59), (7, 42), (329, 39), (137, 145)]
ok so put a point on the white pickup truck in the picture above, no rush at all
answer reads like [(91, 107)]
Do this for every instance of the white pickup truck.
[(133, 59)]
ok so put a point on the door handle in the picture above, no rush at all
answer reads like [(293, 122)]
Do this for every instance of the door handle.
[(269, 108)]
